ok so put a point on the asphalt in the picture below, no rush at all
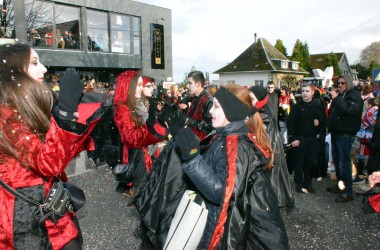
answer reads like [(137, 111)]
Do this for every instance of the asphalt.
[(317, 222)]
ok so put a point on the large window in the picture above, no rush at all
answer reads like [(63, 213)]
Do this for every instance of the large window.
[(61, 32), (120, 33), (7, 27), (136, 35), (97, 31)]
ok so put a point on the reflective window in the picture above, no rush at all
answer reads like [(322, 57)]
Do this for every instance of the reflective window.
[(67, 27), (39, 23), (7, 28), (97, 31), (136, 35), (120, 33)]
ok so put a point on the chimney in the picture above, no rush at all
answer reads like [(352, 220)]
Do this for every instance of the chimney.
[(255, 37)]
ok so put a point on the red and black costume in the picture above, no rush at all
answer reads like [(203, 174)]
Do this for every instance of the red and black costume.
[(46, 159), (199, 112), (242, 205), (132, 136)]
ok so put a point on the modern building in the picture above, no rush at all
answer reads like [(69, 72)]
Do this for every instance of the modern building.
[(99, 38), (259, 63)]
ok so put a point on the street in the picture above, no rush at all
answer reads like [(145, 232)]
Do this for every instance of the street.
[(317, 222)]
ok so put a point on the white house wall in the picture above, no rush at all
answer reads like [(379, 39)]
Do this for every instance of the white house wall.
[(244, 79)]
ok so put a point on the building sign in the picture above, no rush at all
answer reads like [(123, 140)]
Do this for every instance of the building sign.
[(376, 75), (158, 55)]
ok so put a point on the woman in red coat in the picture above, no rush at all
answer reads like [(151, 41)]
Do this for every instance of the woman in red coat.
[(137, 124), (35, 148)]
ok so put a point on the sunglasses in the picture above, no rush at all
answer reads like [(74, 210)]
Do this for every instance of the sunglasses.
[(341, 83)]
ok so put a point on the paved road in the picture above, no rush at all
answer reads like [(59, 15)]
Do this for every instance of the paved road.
[(317, 222)]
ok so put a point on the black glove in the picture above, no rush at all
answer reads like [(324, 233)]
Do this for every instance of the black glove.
[(176, 122), (191, 122), (187, 144), (166, 113), (152, 112), (71, 90)]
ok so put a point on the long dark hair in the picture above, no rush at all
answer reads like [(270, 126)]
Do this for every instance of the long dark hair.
[(23, 100), (131, 100)]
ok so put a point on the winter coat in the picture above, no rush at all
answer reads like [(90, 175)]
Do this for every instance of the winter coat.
[(19, 220), (345, 113), (243, 208), (279, 173), (373, 163), (131, 135)]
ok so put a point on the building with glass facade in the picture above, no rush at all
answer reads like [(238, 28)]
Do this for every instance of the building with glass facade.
[(99, 38)]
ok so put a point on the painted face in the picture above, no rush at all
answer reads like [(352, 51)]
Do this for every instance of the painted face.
[(270, 88), (307, 93), (148, 89), (219, 119), (191, 86), (254, 99), (36, 70), (342, 85), (139, 88)]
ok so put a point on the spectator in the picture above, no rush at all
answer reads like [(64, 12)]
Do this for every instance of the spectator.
[(343, 124), (283, 113), (273, 98)]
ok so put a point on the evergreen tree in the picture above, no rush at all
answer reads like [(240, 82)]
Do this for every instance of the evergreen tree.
[(331, 60), (281, 47), (301, 54)]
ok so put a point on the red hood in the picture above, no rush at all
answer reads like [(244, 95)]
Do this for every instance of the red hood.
[(122, 86)]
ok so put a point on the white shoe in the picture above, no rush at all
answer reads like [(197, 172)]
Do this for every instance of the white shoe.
[(319, 179)]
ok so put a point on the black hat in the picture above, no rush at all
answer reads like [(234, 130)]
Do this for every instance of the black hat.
[(259, 91), (233, 107)]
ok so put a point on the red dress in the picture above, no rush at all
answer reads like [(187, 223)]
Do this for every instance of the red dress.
[(47, 160)]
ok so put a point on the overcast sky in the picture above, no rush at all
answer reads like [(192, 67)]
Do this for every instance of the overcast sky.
[(208, 34)]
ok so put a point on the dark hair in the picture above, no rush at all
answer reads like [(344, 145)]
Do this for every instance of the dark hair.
[(131, 100), (197, 77), (270, 83), (29, 101)]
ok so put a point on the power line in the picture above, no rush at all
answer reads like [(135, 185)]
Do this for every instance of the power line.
[(339, 37)]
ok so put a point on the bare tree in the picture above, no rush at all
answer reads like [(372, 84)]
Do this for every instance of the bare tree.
[(370, 53)]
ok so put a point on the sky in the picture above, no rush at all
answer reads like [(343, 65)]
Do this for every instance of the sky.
[(208, 34)]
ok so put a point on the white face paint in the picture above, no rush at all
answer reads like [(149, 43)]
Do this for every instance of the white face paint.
[(307, 93), (139, 88), (148, 90), (191, 86), (219, 119), (36, 70)]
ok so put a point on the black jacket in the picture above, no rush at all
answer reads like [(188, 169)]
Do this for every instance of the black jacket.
[(241, 202), (345, 113), (279, 174)]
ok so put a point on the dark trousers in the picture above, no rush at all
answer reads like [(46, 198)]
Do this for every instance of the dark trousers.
[(341, 153), (305, 158)]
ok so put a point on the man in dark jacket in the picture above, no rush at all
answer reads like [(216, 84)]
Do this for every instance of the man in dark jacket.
[(273, 95), (199, 117), (344, 122)]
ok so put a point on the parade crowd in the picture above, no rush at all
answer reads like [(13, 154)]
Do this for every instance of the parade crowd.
[(235, 146)]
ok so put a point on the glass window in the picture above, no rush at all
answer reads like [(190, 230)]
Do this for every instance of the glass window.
[(136, 35), (97, 31), (67, 27), (39, 23), (120, 33)]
